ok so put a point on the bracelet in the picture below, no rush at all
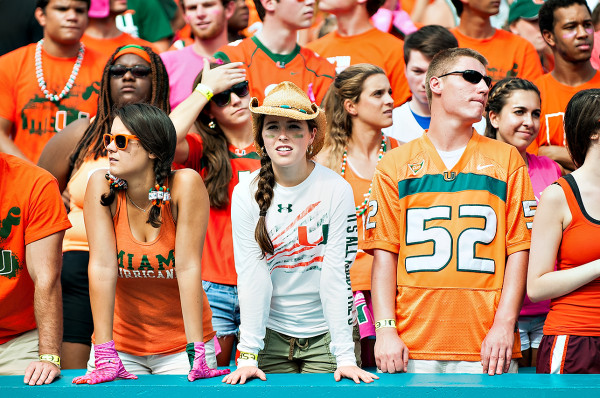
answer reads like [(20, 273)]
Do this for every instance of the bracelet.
[(204, 90), (385, 323), (55, 359), (248, 355)]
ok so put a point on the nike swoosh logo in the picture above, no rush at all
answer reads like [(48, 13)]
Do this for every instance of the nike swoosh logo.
[(485, 166)]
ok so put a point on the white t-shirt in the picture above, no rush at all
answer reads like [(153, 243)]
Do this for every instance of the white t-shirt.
[(303, 290)]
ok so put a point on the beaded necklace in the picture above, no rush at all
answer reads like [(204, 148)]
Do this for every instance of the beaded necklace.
[(39, 73), (360, 210)]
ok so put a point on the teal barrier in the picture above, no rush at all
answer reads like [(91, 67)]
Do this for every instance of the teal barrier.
[(529, 385)]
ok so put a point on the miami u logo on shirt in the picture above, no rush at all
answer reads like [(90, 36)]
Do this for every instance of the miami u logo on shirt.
[(9, 263)]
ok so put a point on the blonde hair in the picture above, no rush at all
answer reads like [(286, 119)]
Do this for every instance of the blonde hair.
[(348, 85)]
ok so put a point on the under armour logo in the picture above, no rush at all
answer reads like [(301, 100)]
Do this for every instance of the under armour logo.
[(281, 208)]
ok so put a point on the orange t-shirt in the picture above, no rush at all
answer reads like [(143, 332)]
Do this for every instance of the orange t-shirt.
[(555, 97), (508, 55), (107, 47), (360, 272), (453, 230), (76, 237), (35, 119), (148, 318), (264, 69), (31, 208), (373, 47), (576, 313)]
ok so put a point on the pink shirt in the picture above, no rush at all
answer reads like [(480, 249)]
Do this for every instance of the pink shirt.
[(543, 171), (182, 67)]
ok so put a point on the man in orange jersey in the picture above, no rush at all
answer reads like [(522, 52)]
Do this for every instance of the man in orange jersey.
[(32, 223), (448, 228), (508, 55), (567, 27), (356, 41), (47, 85), (208, 21), (102, 34), (273, 55)]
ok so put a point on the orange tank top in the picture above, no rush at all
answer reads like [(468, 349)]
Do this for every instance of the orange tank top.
[(148, 318), (577, 313)]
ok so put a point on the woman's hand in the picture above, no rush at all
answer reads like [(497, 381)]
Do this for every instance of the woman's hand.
[(200, 370), (355, 373), (108, 366), (222, 77), (244, 374)]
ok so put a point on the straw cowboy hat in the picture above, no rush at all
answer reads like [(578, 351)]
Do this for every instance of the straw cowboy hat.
[(288, 100)]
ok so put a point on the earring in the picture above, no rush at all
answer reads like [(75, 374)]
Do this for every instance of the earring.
[(309, 150), (212, 124)]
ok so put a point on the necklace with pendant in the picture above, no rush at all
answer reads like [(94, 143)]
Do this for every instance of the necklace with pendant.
[(39, 73)]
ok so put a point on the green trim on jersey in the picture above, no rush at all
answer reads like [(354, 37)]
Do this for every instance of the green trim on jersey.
[(281, 58), (222, 56), (251, 155), (462, 182)]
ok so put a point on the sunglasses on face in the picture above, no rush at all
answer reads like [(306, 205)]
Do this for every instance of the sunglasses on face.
[(121, 140), (223, 98), (118, 71), (472, 76)]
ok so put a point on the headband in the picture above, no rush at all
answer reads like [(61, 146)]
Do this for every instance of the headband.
[(133, 49)]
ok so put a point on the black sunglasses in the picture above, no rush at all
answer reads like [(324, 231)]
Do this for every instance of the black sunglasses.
[(472, 76), (223, 98), (118, 71)]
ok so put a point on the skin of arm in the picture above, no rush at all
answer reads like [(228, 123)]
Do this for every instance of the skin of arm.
[(391, 354), (56, 153), (102, 268), (560, 155), (183, 117), (496, 349), (44, 263), (191, 200), (551, 218), (6, 144)]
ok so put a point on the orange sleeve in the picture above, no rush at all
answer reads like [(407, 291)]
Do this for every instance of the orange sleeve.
[(531, 65), (519, 201), (7, 80)]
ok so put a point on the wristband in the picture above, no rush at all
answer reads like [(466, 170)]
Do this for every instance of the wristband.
[(55, 359), (248, 355), (385, 323), (204, 90)]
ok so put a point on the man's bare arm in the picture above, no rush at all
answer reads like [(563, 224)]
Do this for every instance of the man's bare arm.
[(6, 144)]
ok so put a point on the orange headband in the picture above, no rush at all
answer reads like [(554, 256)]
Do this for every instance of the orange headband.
[(133, 49)]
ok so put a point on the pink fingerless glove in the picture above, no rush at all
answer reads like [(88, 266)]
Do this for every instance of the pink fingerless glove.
[(108, 366), (199, 368)]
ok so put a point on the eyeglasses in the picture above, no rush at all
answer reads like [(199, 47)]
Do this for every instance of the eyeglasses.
[(223, 98), (118, 71), (121, 140), (472, 76)]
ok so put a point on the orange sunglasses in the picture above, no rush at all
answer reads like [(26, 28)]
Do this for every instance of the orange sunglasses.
[(121, 140)]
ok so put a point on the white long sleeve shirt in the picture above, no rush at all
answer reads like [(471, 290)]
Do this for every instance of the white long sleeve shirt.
[(303, 290)]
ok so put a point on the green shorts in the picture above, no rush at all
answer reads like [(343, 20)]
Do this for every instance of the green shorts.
[(286, 354)]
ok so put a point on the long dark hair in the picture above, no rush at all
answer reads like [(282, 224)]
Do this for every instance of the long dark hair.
[(581, 121), (157, 135), (91, 144)]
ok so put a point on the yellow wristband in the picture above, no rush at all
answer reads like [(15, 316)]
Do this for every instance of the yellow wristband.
[(385, 323), (55, 359), (204, 90), (248, 355)]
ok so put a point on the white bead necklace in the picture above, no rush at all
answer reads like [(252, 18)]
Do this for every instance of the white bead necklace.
[(39, 73)]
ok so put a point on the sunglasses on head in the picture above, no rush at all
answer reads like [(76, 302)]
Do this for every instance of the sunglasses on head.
[(121, 140), (118, 71), (223, 98), (472, 76)]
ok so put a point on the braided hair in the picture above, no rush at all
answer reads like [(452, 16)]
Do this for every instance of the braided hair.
[(498, 96), (157, 135), (91, 143)]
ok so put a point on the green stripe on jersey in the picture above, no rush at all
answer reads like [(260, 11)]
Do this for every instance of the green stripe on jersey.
[(462, 182)]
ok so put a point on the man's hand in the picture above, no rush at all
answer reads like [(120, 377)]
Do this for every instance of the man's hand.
[(41, 372), (244, 374), (496, 350), (391, 354)]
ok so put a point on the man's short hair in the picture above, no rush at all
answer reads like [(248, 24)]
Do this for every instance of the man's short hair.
[(182, 3), (458, 6), (443, 61), (373, 6), (546, 15), (260, 9), (43, 3), (429, 40)]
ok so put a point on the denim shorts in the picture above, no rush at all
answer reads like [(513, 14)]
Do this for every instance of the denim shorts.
[(225, 306)]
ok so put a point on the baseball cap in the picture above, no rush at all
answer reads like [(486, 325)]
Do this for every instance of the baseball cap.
[(526, 9)]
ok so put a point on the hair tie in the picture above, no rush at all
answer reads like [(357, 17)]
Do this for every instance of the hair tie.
[(116, 183), (159, 195), (263, 213)]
